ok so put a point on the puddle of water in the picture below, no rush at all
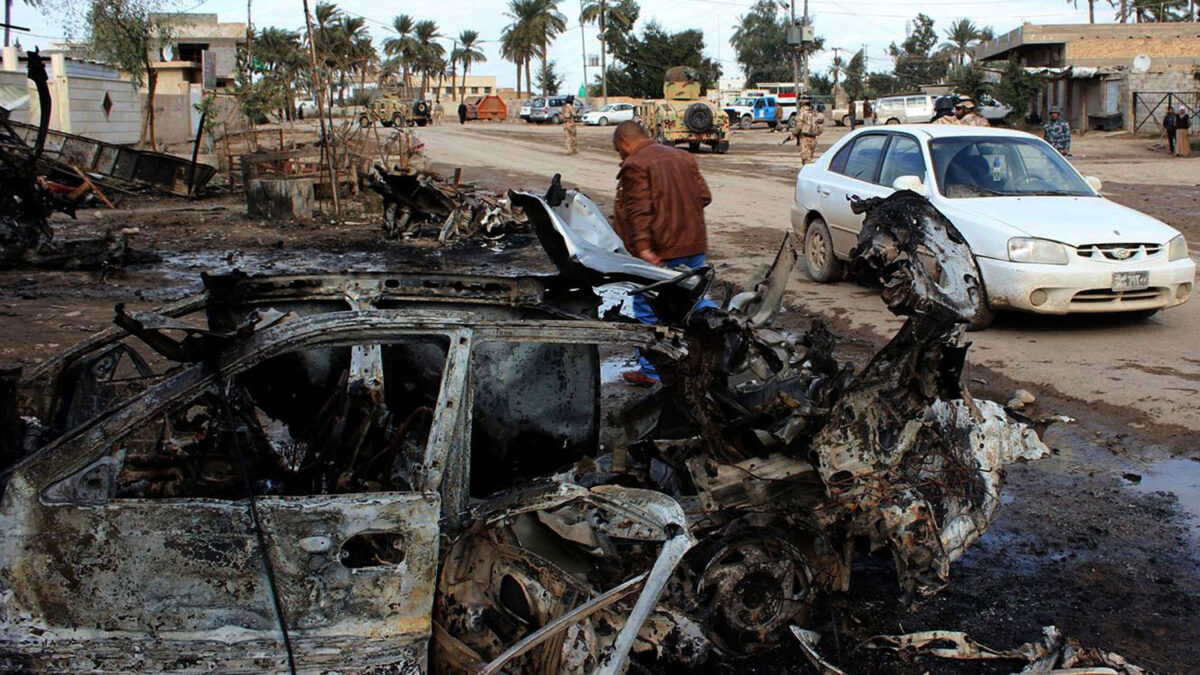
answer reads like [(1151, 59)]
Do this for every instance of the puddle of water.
[(612, 367), (1180, 477)]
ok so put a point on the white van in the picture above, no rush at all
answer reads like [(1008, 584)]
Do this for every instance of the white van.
[(914, 109)]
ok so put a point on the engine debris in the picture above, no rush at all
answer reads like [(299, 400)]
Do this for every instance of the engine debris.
[(455, 210)]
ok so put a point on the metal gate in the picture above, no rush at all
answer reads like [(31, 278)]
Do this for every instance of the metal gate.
[(1150, 106)]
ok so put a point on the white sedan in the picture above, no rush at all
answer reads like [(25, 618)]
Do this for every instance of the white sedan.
[(612, 113), (1043, 238)]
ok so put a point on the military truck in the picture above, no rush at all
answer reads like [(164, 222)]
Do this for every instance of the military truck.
[(393, 110), (682, 117)]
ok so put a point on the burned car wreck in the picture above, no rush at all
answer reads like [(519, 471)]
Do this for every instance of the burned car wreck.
[(419, 472)]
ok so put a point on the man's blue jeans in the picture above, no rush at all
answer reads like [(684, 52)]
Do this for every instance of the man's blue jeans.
[(643, 313)]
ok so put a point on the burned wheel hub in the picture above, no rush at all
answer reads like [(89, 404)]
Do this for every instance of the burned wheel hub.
[(755, 585)]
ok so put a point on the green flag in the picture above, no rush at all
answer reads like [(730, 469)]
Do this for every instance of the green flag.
[(583, 91)]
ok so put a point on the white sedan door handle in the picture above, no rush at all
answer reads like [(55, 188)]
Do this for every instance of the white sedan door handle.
[(823, 191)]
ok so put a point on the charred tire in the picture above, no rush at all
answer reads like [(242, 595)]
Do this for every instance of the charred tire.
[(746, 122), (698, 117), (984, 315), (397, 120), (422, 122), (364, 122), (823, 265)]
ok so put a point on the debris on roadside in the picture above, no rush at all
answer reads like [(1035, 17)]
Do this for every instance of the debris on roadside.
[(1053, 654), (416, 202), (1020, 399)]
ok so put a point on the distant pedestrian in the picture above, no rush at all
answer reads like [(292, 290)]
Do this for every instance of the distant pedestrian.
[(438, 112), (1170, 123), (1058, 132), (777, 118), (809, 125), (868, 115), (462, 112), (570, 137), (1183, 144)]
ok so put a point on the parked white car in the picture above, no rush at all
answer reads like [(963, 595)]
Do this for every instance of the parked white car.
[(1043, 238), (611, 113)]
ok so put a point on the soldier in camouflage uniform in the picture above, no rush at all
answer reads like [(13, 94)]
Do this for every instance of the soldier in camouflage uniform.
[(809, 125), (569, 133), (965, 114)]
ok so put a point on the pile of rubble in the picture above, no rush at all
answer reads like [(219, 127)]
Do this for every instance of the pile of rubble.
[(371, 470), (414, 201)]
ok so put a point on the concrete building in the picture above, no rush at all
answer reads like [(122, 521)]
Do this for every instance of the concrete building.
[(1098, 71), (475, 85), (207, 43), (88, 98)]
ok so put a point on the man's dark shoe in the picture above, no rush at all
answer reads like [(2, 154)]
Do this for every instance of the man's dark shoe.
[(639, 379)]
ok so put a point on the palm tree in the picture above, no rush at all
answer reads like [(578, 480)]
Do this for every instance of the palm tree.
[(622, 16), (521, 37), (1092, 8), (428, 52), (546, 23), (469, 54), (403, 46), (963, 36)]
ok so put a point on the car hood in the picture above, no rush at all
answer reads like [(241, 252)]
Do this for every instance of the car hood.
[(1071, 220)]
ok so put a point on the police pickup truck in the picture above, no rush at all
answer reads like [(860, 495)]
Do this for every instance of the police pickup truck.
[(747, 111)]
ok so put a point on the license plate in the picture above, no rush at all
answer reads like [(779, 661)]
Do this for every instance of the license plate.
[(1130, 281)]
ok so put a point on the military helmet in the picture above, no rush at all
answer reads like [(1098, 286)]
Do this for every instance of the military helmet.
[(965, 103)]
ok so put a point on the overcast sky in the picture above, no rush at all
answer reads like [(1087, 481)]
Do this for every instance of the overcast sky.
[(846, 24)]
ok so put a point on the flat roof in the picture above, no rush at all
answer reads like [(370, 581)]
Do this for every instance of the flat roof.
[(1048, 34)]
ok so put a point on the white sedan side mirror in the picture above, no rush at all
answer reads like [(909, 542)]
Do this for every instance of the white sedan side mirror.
[(1093, 183), (909, 183)]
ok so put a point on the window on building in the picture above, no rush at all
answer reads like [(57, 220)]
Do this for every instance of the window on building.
[(107, 105), (487, 90), (190, 51), (474, 90)]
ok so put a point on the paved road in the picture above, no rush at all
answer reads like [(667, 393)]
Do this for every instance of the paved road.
[(1151, 366)]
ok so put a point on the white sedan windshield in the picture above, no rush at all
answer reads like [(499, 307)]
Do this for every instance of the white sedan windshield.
[(987, 166)]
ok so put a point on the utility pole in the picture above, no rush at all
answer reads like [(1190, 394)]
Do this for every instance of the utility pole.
[(603, 52), (7, 19), (803, 47), (583, 46), (327, 145), (796, 60)]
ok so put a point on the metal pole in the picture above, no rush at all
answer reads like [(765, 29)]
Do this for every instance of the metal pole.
[(796, 62), (804, 53), (327, 148), (583, 46), (7, 19), (603, 53)]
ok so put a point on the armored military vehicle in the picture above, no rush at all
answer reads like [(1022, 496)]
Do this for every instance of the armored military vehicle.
[(682, 117), (393, 110)]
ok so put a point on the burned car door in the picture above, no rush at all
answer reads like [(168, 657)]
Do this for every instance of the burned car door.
[(134, 544)]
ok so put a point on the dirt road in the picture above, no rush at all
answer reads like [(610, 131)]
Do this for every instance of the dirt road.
[(1151, 366)]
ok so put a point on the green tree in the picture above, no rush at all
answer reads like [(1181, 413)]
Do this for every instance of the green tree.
[(1153, 11), (644, 60), (855, 74), (281, 63), (614, 20), (129, 34), (881, 84), (967, 80), (469, 54), (546, 23), (549, 81), (760, 44), (1091, 5), (962, 38), (429, 57), (915, 61), (521, 41), (1018, 88), (403, 47)]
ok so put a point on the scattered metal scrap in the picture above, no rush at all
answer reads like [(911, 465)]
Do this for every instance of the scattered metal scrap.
[(414, 200), (1053, 654), (372, 416)]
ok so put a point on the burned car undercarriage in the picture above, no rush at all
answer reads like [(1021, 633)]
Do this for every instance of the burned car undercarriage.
[(411, 472)]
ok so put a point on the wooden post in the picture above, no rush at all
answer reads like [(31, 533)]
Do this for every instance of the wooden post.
[(327, 148)]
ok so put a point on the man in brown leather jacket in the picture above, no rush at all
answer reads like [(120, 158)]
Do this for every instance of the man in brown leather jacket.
[(659, 215)]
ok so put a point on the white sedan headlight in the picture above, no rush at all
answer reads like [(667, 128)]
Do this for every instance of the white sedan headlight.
[(1030, 250), (1177, 249)]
